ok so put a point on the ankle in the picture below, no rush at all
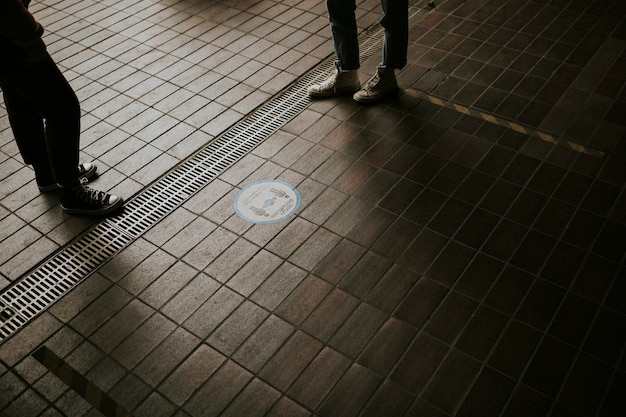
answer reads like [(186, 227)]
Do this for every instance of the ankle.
[(43, 174)]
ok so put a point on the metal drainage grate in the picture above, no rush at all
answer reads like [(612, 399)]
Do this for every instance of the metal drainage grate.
[(36, 292)]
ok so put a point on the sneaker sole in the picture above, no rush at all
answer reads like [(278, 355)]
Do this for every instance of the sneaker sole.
[(333, 93), (374, 99)]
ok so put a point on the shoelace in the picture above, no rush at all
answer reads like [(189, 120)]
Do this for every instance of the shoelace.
[(328, 82), (373, 81), (90, 195)]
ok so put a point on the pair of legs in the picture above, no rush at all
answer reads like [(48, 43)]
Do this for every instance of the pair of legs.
[(395, 21), (45, 118), (44, 113)]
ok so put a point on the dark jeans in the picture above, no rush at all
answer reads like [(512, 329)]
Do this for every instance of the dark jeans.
[(395, 20), (44, 113)]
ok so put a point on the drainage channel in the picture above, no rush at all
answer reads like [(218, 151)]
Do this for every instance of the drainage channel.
[(34, 293)]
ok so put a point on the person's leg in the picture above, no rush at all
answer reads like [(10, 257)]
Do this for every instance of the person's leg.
[(395, 20), (28, 129), (346, 43), (344, 30), (45, 117)]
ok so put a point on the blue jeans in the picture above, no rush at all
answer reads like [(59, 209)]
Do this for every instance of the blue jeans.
[(395, 21)]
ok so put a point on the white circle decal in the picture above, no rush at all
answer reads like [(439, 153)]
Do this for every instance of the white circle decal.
[(267, 201)]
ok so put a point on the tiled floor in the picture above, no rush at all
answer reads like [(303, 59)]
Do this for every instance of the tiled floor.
[(459, 249)]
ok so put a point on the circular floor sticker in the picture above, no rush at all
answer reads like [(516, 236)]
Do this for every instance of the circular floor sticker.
[(267, 201)]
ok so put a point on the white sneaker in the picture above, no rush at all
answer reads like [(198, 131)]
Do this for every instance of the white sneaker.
[(379, 86), (341, 82)]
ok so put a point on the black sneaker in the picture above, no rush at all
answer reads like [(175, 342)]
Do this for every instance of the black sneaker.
[(81, 199), (86, 170)]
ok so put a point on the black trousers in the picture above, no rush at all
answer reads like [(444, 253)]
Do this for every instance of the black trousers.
[(44, 113)]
